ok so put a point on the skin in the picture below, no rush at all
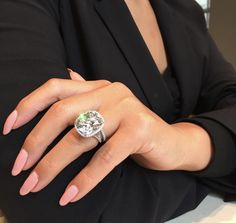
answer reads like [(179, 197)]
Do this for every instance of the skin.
[(146, 21), (131, 128)]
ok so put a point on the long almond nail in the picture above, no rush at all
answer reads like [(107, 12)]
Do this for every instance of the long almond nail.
[(19, 162), (29, 183), (69, 194), (75, 76), (10, 121)]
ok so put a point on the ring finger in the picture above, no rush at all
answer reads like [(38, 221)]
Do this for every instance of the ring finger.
[(71, 146)]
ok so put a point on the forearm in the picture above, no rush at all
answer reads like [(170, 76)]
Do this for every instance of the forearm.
[(195, 143)]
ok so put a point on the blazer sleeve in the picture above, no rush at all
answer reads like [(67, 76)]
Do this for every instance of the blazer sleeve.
[(215, 112), (29, 37), (31, 49)]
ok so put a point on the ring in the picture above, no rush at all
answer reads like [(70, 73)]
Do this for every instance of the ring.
[(90, 124)]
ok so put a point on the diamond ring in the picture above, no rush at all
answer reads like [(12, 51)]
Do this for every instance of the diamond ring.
[(90, 124)]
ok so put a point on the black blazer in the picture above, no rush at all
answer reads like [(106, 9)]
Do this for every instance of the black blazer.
[(39, 39)]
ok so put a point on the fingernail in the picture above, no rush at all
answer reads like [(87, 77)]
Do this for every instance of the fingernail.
[(19, 162), (74, 75), (69, 194), (29, 183), (10, 121)]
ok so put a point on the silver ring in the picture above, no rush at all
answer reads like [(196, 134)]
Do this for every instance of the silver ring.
[(90, 124)]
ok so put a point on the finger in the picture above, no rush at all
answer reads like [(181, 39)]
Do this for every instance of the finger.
[(53, 90), (45, 131), (113, 152), (75, 76), (70, 148), (61, 115)]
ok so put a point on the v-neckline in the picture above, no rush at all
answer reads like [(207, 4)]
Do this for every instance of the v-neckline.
[(182, 56), (120, 23), (144, 43)]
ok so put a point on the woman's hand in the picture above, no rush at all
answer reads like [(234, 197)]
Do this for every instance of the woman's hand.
[(131, 129)]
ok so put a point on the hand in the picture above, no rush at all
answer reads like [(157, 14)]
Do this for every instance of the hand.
[(131, 129)]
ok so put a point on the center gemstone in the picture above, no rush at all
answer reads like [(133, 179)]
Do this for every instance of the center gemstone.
[(89, 123)]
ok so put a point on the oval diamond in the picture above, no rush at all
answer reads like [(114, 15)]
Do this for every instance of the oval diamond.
[(89, 123)]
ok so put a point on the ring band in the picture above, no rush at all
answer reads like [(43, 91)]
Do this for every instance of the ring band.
[(90, 124), (100, 136)]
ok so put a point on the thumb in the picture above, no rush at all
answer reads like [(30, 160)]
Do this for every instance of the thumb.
[(74, 75)]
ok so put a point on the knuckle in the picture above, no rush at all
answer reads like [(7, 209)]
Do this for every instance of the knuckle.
[(139, 125), (53, 81), (143, 122), (31, 141), (128, 101), (53, 84), (106, 155), (23, 103), (104, 82), (45, 165), (121, 86), (89, 177), (59, 108)]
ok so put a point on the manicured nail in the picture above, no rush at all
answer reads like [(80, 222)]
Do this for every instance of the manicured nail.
[(74, 75), (19, 162), (69, 194), (10, 121), (29, 183), (69, 70)]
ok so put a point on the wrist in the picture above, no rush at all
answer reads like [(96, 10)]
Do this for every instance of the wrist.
[(194, 145)]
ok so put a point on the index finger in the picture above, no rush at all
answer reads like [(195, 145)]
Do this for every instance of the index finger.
[(53, 90)]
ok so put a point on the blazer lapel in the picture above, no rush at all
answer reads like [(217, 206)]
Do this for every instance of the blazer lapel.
[(183, 58), (122, 27)]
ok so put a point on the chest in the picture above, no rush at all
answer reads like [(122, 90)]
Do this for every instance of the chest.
[(145, 19), (110, 40)]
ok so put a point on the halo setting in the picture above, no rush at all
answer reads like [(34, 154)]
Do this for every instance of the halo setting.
[(89, 123)]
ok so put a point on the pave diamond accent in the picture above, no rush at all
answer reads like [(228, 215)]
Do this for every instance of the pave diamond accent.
[(89, 123)]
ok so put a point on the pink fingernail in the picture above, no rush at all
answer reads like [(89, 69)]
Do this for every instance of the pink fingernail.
[(19, 162), (74, 75), (69, 70), (29, 183), (10, 121), (69, 194)]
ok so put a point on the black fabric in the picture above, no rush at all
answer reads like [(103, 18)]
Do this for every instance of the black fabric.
[(172, 84), (99, 39)]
